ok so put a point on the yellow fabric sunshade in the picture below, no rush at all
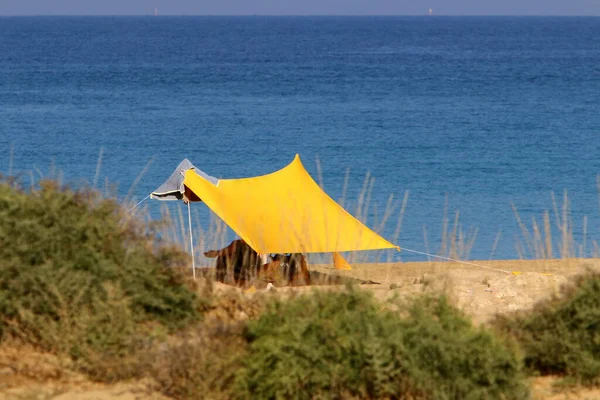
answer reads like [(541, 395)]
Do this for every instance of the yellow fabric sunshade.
[(285, 212)]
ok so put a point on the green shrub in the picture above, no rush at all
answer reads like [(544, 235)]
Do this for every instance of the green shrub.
[(347, 345), (78, 278), (562, 335)]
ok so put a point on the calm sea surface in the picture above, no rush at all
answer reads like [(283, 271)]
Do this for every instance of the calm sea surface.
[(482, 111)]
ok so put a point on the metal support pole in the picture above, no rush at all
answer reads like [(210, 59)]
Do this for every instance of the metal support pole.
[(191, 240)]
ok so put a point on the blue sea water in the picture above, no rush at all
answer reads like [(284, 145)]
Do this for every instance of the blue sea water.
[(481, 111)]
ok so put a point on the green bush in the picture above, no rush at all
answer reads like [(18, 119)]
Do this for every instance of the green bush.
[(347, 345), (562, 335), (78, 278)]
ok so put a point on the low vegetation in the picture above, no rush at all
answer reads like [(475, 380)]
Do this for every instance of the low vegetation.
[(562, 335), (338, 345), (347, 345), (76, 278)]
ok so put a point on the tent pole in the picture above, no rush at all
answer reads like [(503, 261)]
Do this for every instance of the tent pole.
[(191, 240)]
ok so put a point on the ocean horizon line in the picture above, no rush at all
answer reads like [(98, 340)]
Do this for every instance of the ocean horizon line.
[(150, 14)]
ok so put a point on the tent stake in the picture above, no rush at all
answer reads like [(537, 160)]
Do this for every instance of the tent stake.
[(191, 240)]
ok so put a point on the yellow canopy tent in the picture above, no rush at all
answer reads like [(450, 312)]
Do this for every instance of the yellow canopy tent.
[(284, 212)]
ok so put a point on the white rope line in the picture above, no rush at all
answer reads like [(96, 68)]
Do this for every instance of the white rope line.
[(458, 261), (140, 202)]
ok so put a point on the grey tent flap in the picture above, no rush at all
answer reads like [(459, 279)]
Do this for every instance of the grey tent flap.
[(172, 188)]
